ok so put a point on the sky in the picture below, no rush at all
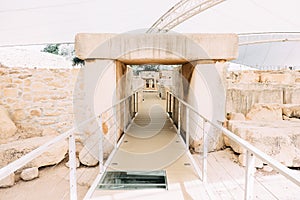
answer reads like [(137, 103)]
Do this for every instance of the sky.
[(45, 21)]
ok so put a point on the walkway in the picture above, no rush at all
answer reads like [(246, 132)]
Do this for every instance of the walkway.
[(151, 143)]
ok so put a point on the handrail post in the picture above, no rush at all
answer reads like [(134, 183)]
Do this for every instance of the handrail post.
[(72, 166), (134, 103), (179, 118), (100, 147), (116, 127), (124, 115), (167, 102), (250, 169), (137, 102), (205, 150), (187, 135), (170, 104)]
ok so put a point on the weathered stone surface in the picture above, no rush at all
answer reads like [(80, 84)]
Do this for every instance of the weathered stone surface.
[(24, 76), (281, 140), (249, 77), (26, 89), (59, 96), (27, 82), (18, 115), (197, 145), (215, 46), (215, 144), (11, 85), (39, 98), (47, 120), (265, 112), (294, 119), (27, 97), (79, 146), (277, 77), (267, 168), (29, 174), (8, 181), (36, 112), (226, 141), (14, 150), (34, 104), (291, 110), (38, 86), (28, 130), (11, 101), (104, 128), (285, 117), (56, 84), (10, 92), (49, 131), (7, 127), (292, 95), (236, 116), (241, 97), (52, 113), (87, 158), (77, 163)]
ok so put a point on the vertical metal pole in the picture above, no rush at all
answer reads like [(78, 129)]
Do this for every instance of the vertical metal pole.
[(179, 118), (124, 124), (167, 102), (134, 103), (187, 135), (72, 166), (250, 169), (137, 102), (173, 107), (205, 150), (101, 147), (170, 102)]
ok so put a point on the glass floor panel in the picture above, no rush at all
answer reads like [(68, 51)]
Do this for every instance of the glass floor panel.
[(133, 180)]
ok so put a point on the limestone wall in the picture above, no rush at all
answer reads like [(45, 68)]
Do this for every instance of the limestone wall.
[(246, 88), (263, 108), (39, 101), (203, 88)]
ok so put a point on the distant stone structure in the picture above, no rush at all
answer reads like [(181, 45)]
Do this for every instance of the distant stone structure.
[(264, 108)]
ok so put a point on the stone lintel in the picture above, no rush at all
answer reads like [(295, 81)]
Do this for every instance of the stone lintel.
[(136, 48)]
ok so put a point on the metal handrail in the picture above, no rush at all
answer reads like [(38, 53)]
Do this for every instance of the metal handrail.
[(19, 163), (251, 153), (122, 100)]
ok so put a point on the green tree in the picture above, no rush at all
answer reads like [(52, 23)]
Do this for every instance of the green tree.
[(65, 50), (52, 48), (77, 61)]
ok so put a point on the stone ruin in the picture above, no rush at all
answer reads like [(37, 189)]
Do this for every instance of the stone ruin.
[(263, 107)]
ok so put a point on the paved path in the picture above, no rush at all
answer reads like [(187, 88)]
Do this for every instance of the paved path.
[(151, 143)]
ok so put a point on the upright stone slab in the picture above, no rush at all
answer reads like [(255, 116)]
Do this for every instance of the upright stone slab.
[(7, 126), (107, 54)]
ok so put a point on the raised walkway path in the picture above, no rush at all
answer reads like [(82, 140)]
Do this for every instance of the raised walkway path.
[(151, 143)]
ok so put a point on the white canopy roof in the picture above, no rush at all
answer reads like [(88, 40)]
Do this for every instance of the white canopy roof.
[(55, 21), (35, 21)]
